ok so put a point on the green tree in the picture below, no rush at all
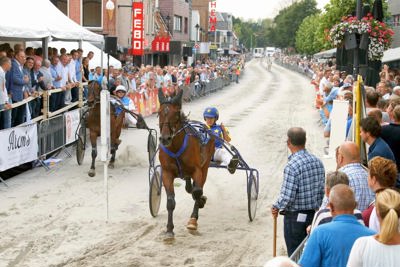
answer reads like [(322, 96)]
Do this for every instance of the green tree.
[(306, 36), (287, 22)]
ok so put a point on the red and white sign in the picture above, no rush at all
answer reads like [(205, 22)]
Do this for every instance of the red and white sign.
[(212, 19), (160, 44), (137, 29)]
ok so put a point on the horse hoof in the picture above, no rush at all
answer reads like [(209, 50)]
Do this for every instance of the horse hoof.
[(192, 224), (92, 173), (111, 165), (202, 201), (169, 236)]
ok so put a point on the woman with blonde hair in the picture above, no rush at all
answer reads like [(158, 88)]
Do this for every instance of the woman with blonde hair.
[(382, 249)]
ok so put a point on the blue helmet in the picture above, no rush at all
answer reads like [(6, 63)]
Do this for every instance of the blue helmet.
[(211, 112)]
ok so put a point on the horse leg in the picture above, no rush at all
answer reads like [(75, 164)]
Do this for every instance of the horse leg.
[(113, 152), (188, 186), (168, 182), (199, 201), (93, 139)]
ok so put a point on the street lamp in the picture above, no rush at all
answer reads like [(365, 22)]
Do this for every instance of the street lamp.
[(167, 18), (197, 26)]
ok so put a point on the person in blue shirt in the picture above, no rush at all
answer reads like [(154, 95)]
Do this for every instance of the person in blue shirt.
[(330, 244), (370, 132), (211, 116), (120, 92)]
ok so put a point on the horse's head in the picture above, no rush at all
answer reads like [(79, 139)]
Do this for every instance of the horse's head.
[(170, 116), (94, 89)]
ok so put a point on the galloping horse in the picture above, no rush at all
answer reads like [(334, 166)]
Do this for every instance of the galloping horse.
[(93, 123), (181, 155)]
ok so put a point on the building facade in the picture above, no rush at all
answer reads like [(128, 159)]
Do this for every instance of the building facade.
[(91, 14), (394, 10)]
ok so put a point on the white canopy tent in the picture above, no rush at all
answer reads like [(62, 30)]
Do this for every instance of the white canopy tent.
[(35, 20), (86, 47)]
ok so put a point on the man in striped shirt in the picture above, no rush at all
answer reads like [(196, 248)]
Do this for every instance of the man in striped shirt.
[(302, 189), (348, 161)]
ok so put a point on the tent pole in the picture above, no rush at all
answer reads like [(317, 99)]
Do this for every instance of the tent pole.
[(101, 58), (45, 47)]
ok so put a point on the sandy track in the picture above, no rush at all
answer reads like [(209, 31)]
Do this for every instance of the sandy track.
[(57, 218)]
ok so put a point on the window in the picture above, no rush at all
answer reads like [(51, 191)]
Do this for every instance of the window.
[(62, 5), (396, 20), (177, 23), (185, 26), (91, 13)]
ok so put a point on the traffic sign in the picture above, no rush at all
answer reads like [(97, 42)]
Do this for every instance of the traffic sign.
[(197, 46)]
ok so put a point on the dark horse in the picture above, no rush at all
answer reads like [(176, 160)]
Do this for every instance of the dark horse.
[(93, 123), (181, 155)]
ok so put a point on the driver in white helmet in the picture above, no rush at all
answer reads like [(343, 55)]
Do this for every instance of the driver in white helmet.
[(120, 92)]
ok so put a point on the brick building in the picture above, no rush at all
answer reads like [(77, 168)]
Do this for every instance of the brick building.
[(91, 14)]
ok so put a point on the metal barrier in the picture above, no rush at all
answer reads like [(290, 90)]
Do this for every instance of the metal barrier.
[(296, 255), (51, 135), (295, 67)]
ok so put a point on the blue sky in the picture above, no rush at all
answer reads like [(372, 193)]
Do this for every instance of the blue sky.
[(255, 9)]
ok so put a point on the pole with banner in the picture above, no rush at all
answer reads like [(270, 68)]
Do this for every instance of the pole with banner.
[(137, 48), (105, 139)]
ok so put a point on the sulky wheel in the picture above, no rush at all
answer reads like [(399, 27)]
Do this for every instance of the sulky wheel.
[(252, 194), (155, 191), (80, 144)]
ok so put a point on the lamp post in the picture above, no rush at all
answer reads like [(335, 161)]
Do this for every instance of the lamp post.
[(196, 39), (167, 18)]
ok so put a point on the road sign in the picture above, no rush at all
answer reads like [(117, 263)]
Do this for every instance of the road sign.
[(197, 46)]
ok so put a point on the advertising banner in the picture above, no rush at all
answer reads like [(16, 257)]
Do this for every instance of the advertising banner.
[(72, 119), (160, 44), (20, 145), (137, 29), (212, 18)]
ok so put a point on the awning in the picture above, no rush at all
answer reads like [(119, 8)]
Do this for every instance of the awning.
[(34, 20), (326, 54), (391, 55)]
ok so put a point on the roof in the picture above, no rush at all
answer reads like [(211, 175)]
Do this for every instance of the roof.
[(46, 20)]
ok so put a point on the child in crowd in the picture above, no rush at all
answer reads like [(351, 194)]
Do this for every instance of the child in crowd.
[(120, 92), (211, 116)]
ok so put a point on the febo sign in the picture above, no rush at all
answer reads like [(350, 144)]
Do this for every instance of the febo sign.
[(212, 21), (160, 44), (137, 29)]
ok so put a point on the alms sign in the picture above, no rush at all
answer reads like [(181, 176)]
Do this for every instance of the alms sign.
[(212, 20)]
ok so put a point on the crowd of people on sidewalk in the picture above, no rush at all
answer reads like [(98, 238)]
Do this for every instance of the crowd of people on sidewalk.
[(24, 72), (350, 216)]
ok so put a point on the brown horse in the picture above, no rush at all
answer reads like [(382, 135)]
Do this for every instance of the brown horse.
[(181, 155), (93, 123)]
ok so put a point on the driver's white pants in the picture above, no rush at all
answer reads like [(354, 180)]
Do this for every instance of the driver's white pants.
[(130, 120), (222, 155)]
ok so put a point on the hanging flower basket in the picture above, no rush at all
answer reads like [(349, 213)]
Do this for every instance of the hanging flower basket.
[(372, 34)]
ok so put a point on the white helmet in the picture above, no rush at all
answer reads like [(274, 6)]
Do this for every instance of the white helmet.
[(120, 88)]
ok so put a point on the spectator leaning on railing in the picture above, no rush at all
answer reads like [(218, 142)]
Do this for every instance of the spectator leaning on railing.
[(5, 115)]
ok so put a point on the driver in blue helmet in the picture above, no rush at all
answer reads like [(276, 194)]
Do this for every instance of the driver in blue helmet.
[(211, 116)]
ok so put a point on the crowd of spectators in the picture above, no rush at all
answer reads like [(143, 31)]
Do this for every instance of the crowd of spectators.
[(357, 223), (25, 73)]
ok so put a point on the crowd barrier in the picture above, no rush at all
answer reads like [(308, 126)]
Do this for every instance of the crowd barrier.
[(295, 67), (53, 131), (147, 103)]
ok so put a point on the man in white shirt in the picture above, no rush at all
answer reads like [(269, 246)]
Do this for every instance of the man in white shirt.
[(5, 115), (64, 77)]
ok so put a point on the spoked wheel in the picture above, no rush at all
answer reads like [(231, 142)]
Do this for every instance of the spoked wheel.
[(152, 145), (80, 144), (252, 194), (155, 191)]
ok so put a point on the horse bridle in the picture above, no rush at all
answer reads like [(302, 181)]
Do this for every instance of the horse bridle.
[(171, 128), (91, 92)]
